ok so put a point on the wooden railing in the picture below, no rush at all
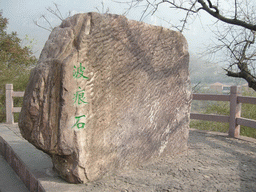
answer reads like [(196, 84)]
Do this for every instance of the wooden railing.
[(234, 119), (10, 109)]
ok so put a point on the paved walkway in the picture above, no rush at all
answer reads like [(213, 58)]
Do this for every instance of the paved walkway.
[(9, 180), (213, 162)]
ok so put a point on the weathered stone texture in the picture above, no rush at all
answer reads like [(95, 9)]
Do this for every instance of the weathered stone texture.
[(137, 96)]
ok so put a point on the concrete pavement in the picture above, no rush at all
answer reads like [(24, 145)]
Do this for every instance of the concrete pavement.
[(9, 180)]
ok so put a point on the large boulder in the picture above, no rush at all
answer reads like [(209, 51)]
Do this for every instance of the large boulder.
[(108, 93)]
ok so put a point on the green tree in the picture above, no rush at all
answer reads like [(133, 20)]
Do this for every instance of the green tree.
[(15, 63)]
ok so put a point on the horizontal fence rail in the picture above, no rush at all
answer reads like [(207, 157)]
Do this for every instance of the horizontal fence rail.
[(234, 119), (246, 122), (206, 117), (249, 100), (211, 97)]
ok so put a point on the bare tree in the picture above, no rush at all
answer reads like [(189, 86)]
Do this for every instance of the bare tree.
[(44, 19), (237, 35), (45, 23), (238, 51), (237, 16)]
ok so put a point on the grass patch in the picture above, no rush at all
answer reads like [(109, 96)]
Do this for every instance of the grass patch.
[(209, 125)]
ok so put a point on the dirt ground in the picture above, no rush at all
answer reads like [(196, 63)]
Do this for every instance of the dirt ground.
[(213, 162)]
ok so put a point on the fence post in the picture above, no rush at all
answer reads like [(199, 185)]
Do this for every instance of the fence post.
[(235, 112), (9, 103)]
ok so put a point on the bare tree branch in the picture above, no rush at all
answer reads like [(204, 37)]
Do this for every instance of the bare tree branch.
[(235, 9), (180, 7), (187, 15), (56, 13), (249, 78), (36, 23), (215, 13), (144, 12)]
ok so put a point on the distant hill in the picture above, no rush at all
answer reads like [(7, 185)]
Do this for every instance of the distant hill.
[(208, 73)]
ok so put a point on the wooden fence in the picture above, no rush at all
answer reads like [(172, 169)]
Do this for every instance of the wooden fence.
[(234, 119)]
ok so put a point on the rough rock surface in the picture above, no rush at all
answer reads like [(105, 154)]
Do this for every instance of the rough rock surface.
[(107, 94)]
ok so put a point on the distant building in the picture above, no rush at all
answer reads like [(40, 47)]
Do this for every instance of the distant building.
[(225, 89), (219, 87)]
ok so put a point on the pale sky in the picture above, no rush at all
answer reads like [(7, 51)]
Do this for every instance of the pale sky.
[(21, 14)]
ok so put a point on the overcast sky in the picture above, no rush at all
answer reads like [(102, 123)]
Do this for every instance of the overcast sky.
[(22, 13)]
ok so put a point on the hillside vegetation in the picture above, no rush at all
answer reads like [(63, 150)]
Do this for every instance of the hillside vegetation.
[(205, 72), (15, 65)]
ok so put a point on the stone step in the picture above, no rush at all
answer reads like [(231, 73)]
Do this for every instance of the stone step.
[(9, 180), (32, 165)]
